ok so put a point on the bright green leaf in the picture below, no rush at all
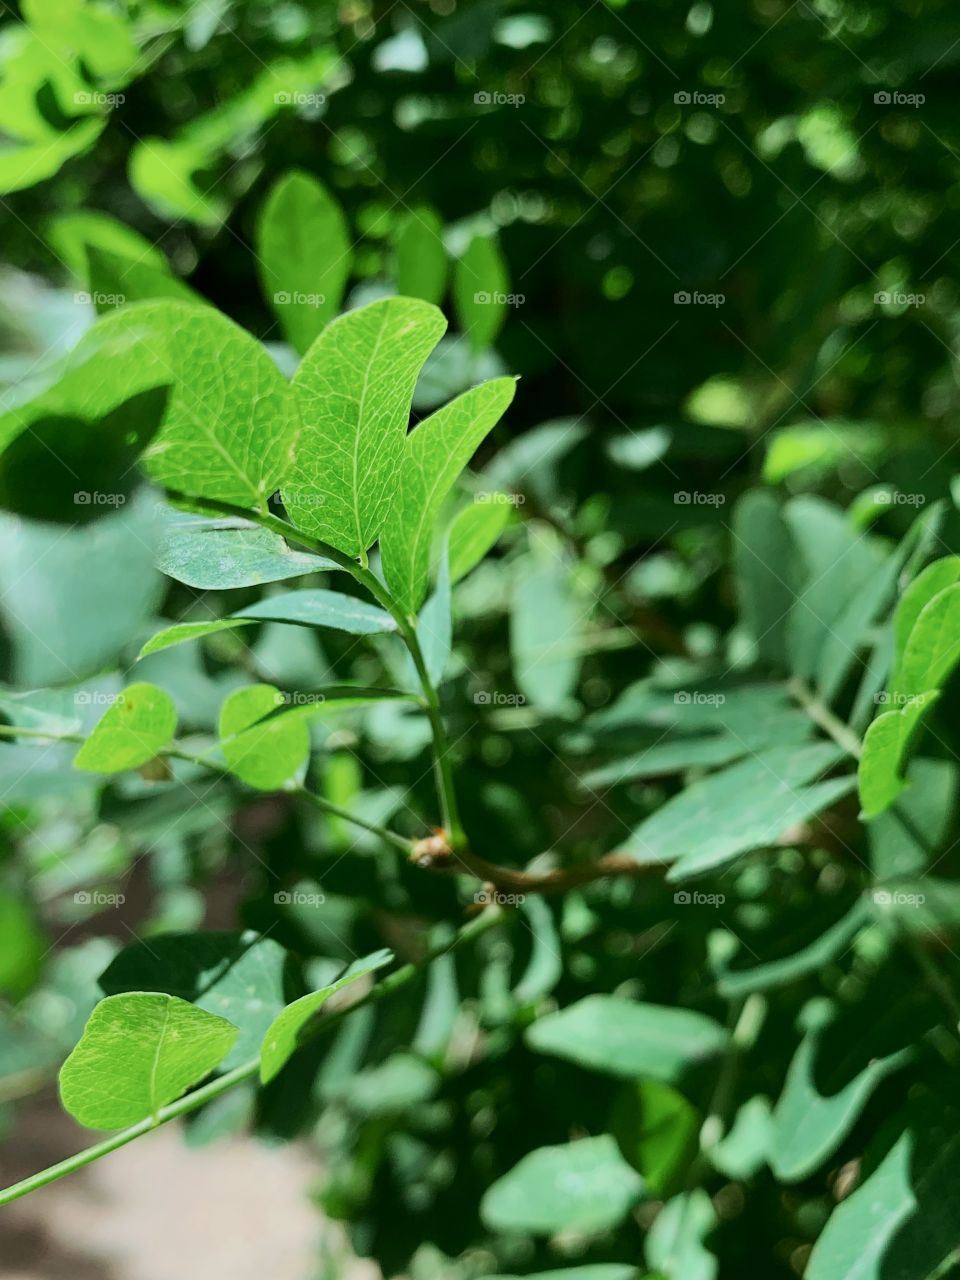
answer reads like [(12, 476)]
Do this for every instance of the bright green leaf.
[(134, 729), (263, 755), (932, 648), (434, 454), (354, 389), (139, 1052), (885, 746), (282, 1037), (238, 976), (475, 530)]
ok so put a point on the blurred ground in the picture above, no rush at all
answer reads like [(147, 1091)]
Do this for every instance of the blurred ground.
[(156, 1209)]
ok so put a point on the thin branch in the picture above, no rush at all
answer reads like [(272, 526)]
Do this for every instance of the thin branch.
[(206, 1093), (820, 714)]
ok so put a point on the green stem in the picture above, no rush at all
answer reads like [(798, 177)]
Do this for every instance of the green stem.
[(206, 1093), (442, 764), (821, 715), (391, 837)]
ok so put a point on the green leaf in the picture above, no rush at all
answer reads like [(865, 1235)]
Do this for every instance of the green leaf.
[(140, 724), (22, 946), (218, 555), (73, 234), (91, 589), (657, 1129), (668, 757), (763, 554), (237, 976), (885, 747), (623, 1037), (674, 1244), (839, 564), (475, 530), (420, 260), (935, 578), (834, 941), (434, 454), (263, 752), (743, 1152), (545, 625), (116, 280), (744, 807), (354, 388), (932, 648), (808, 1127), (312, 608), (304, 256), (139, 1052), (905, 838), (231, 427), (283, 1035), (583, 1186), (901, 1221), (435, 628), (480, 287)]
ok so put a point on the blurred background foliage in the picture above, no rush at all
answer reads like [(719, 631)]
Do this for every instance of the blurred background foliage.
[(793, 162)]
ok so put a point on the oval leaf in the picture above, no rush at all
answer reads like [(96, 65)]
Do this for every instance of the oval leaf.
[(139, 1052), (140, 723)]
